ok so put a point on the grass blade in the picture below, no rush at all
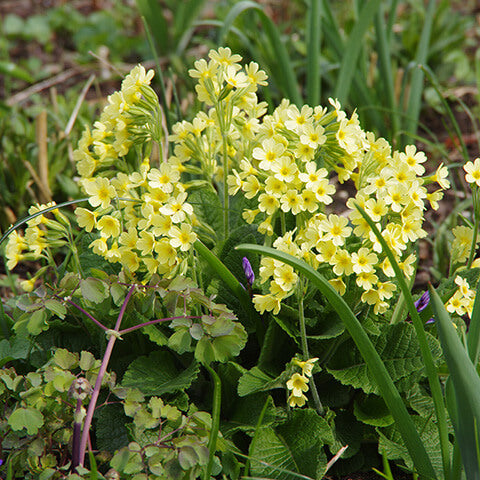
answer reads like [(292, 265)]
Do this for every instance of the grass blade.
[(473, 335), (153, 14), (313, 52), (385, 67), (385, 384), (416, 84), (352, 49), (284, 63), (466, 384)]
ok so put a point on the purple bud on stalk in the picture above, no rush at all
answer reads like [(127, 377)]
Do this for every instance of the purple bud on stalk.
[(422, 302), (247, 268)]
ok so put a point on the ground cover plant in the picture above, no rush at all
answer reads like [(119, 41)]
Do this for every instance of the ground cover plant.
[(231, 297)]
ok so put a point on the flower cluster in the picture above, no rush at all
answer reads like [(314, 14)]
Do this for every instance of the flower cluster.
[(229, 127), (294, 174), (42, 234), (462, 300), (298, 383), (141, 214)]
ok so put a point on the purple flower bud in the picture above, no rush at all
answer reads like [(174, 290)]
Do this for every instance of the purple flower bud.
[(422, 302), (247, 268)]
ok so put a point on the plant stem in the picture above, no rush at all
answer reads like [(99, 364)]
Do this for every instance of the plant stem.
[(306, 353), (226, 198), (98, 382), (217, 400)]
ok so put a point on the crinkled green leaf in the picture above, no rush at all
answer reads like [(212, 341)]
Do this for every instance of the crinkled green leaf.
[(157, 374), (255, 380), (28, 418), (398, 348), (295, 447), (391, 442)]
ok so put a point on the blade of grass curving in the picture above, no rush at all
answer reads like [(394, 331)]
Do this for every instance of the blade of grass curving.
[(313, 52), (291, 86), (466, 384), (36, 214), (416, 84), (352, 49), (473, 334), (153, 14), (392, 16), (385, 67), (430, 368), (389, 392)]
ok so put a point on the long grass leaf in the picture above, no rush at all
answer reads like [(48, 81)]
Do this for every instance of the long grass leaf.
[(153, 14), (284, 63), (375, 364), (473, 335), (416, 84), (430, 368), (466, 384), (352, 49), (385, 68), (313, 52)]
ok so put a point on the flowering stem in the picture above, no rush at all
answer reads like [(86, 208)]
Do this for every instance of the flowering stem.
[(306, 353), (98, 382), (226, 198)]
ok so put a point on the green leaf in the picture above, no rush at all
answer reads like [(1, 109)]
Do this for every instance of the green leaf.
[(400, 352), (294, 449), (372, 411), (37, 323), (56, 307), (353, 48), (391, 442), (153, 13), (94, 290), (255, 380), (65, 359), (271, 457), (208, 208), (28, 418), (157, 374)]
